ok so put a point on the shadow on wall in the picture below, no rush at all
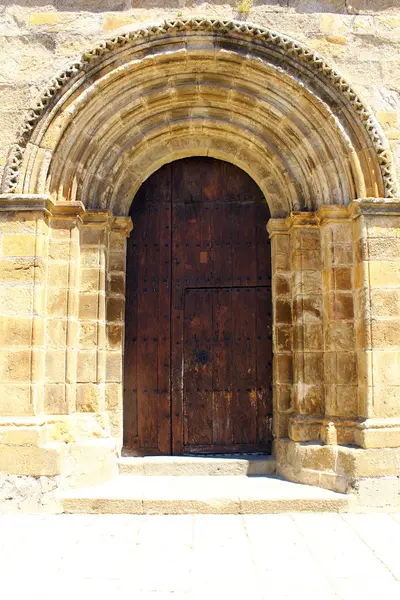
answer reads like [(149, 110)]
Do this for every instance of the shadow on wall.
[(299, 6)]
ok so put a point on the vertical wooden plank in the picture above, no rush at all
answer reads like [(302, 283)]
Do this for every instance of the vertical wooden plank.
[(264, 364), (148, 316), (263, 244), (130, 416), (222, 367), (198, 367), (164, 242), (180, 259), (244, 366)]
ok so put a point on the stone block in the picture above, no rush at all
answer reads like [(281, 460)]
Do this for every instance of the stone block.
[(89, 398), (116, 261), (90, 257), (89, 306), (282, 338), (308, 398), (341, 306), (114, 366), (88, 334), (308, 308), (59, 250), (19, 245), (313, 367), (15, 332), (55, 365), (356, 463), (384, 274), (283, 368), (114, 335), (346, 368), (317, 457), (55, 400), (343, 255), (92, 236), (56, 332), (113, 392), (346, 401), (16, 300), (281, 425), (91, 462), (306, 282), (90, 280), (304, 431), (47, 459), (21, 270), (385, 302), (115, 309), (116, 283), (386, 366), (57, 302), (339, 335), (378, 437), (58, 274), (22, 435), (15, 365), (18, 222), (16, 399), (87, 366)]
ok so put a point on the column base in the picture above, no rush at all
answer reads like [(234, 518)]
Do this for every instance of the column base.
[(370, 474)]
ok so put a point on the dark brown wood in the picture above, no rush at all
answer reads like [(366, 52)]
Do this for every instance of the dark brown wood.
[(148, 317), (198, 378)]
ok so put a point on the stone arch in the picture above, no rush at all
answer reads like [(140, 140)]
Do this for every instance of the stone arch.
[(226, 89)]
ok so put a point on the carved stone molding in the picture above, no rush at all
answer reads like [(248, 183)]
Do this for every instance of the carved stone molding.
[(287, 48)]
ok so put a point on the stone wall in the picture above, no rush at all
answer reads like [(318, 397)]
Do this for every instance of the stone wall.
[(361, 38), (335, 267)]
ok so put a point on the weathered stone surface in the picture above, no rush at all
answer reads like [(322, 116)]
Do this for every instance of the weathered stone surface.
[(335, 281)]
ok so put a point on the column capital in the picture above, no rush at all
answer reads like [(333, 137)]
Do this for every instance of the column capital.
[(303, 220), (277, 227), (375, 207), (333, 213), (26, 202)]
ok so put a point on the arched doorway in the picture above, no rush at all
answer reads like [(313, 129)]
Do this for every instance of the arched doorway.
[(198, 341)]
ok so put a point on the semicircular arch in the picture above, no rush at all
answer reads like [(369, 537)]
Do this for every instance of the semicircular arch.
[(225, 89)]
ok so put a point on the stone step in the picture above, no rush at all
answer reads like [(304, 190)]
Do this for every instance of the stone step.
[(131, 494), (241, 464)]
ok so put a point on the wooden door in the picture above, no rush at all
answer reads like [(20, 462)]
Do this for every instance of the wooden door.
[(198, 345)]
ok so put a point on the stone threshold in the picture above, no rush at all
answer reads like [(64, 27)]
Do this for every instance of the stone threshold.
[(218, 464), (130, 494)]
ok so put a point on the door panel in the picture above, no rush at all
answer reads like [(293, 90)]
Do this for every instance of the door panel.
[(148, 316), (198, 276), (226, 401)]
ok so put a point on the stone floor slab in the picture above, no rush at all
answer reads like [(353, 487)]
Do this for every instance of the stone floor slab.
[(188, 557)]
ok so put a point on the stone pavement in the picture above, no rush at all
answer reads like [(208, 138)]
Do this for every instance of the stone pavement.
[(186, 557)]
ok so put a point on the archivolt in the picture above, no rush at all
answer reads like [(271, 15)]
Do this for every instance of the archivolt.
[(201, 87)]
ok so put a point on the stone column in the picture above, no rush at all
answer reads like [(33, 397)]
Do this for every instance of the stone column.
[(308, 388), (62, 293), (341, 404), (120, 228), (282, 326), (25, 448), (377, 296)]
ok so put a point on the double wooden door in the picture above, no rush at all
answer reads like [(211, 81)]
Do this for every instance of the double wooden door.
[(198, 336)]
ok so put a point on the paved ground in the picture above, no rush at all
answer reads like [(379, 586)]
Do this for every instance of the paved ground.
[(251, 557)]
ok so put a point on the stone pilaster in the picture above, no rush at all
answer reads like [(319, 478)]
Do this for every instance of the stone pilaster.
[(23, 266), (120, 228), (308, 388), (377, 295), (62, 297), (282, 326), (340, 359)]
